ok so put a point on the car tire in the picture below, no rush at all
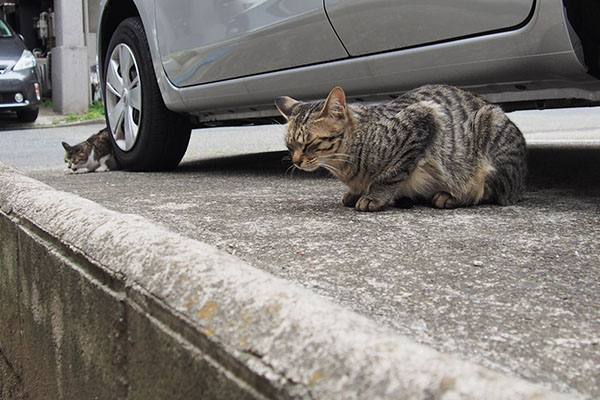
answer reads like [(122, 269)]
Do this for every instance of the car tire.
[(28, 115), (146, 135)]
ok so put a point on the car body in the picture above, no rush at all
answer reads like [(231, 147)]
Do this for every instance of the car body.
[(19, 82), (225, 61)]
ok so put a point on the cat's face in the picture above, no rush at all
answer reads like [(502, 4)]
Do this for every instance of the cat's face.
[(78, 156), (315, 131)]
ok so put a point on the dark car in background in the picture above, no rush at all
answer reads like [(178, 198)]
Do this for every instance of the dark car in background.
[(19, 82), (169, 65)]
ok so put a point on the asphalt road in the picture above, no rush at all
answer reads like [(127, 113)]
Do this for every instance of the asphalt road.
[(516, 289)]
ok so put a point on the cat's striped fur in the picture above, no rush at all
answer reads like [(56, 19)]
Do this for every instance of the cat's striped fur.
[(437, 142)]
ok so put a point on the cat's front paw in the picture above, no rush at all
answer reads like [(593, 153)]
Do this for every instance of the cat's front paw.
[(370, 204), (76, 171), (444, 200), (349, 199)]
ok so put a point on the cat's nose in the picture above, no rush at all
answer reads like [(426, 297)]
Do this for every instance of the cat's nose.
[(297, 158)]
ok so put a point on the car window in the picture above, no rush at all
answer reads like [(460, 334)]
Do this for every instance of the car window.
[(5, 30)]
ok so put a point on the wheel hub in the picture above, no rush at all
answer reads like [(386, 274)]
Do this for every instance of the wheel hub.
[(123, 96)]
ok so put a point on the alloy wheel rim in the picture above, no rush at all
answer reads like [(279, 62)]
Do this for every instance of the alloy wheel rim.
[(123, 97)]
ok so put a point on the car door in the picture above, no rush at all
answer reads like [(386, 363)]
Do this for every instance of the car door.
[(371, 26), (203, 41)]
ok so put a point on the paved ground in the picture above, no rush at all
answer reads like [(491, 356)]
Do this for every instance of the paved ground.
[(513, 288)]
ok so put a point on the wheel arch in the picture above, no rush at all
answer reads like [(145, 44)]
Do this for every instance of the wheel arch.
[(583, 16), (113, 12)]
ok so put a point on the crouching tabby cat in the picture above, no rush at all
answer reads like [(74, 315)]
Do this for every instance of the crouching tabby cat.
[(93, 154), (438, 143)]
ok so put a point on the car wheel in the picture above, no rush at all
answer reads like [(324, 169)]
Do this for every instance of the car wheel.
[(146, 135), (28, 115)]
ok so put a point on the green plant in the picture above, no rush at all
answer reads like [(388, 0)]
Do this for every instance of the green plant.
[(95, 111)]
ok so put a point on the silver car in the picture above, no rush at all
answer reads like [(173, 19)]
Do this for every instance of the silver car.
[(170, 65)]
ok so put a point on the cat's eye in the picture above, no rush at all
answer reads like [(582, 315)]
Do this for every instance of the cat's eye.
[(310, 146), (328, 148)]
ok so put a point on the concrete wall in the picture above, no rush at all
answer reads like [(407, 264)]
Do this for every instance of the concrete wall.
[(70, 333), (71, 330), (100, 305), (63, 334)]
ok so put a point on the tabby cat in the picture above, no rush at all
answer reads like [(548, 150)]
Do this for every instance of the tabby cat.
[(436, 143), (93, 154)]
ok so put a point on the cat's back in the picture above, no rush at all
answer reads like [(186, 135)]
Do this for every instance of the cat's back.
[(473, 138), (449, 98), (101, 143)]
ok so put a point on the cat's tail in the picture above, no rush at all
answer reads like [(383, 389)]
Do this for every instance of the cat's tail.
[(505, 149)]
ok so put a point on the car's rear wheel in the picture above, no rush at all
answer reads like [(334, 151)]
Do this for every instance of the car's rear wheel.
[(28, 115), (146, 135)]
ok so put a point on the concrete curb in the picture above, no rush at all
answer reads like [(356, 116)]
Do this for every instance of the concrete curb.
[(241, 330)]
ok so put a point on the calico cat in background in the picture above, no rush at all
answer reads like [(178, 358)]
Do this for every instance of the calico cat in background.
[(436, 143), (93, 154)]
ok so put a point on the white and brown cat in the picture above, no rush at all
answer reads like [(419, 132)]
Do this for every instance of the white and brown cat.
[(93, 154)]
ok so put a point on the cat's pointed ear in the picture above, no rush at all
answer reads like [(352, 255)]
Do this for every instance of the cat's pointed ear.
[(286, 105), (335, 106), (66, 146)]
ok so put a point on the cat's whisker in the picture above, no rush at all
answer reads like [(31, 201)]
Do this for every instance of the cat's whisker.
[(337, 158), (331, 169), (343, 157), (345, 160), (338, 155), (290, 170)]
